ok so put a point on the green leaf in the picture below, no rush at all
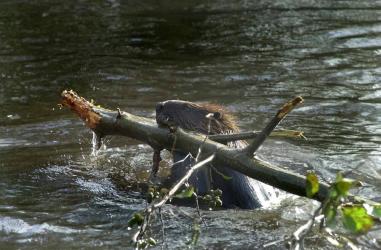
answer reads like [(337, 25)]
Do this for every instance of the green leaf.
[(186, 193), (356, 219), (137, 219), (142, 244), (339, 177), (218, 202), (333, 194), (312, 185), (344, 185), (217, 192), (151, 241), (330, 212), (163, 192)]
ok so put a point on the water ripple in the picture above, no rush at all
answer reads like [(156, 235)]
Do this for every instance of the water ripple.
[(12, 225)]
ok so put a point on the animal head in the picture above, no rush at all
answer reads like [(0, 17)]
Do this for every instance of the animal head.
[(195, 117)]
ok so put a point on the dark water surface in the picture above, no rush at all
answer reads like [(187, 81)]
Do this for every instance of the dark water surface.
[(251, 56)]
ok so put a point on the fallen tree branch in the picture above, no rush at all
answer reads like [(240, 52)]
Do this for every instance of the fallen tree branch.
[(107, 122)]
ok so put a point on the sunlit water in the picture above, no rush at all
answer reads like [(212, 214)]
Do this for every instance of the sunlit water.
[(251, 56)]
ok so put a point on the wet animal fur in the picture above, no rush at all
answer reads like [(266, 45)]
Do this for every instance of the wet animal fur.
[(240, 191)]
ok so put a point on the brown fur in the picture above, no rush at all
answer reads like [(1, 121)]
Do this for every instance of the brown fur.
[(192, 116), (239, 191)]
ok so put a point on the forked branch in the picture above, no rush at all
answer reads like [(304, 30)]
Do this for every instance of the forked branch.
[(286, 108)]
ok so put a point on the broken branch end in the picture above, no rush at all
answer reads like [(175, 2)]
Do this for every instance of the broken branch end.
[(82, 107)]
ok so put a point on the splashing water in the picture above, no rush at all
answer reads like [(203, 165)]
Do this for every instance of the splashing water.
[(267, 195), (96, 144)]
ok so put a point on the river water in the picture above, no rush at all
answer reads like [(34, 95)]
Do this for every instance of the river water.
[(251, 56)]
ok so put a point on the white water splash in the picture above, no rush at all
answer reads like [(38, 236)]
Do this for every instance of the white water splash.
[(267, 195), (96, 142), (12, 225)]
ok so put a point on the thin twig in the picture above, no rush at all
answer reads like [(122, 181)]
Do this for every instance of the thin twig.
[(150, 209), (272, 243), (198, 210), (162, 229), (300, 234), (177, 186), (209, 117)]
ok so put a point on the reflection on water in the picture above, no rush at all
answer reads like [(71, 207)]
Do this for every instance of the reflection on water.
[(251, 56)]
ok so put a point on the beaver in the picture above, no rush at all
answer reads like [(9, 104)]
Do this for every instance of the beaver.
[(237, 191)]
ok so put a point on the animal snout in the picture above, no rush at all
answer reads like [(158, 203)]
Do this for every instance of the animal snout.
[(159, 107)]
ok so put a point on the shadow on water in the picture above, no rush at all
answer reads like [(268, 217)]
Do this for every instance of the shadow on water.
[(251, 56)]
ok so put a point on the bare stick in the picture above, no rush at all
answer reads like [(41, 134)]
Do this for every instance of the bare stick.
[(300, 234), (297, 239), (251, 148), (162, 229), (156, 158), (176, 187)]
